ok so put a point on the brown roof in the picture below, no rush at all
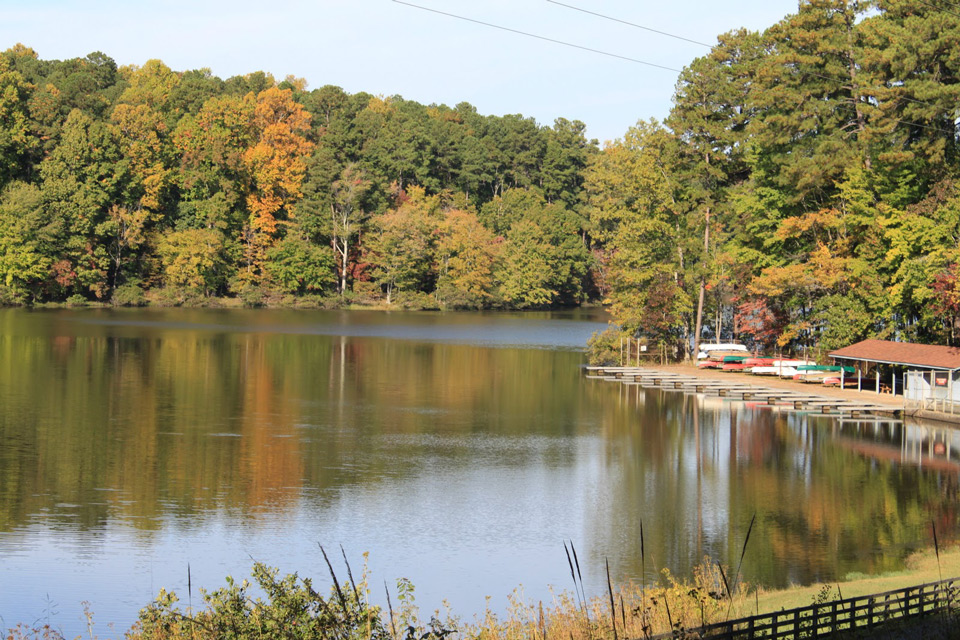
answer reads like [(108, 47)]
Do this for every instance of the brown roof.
[(929, 356)]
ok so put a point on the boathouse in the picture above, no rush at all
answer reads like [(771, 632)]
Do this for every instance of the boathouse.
[(924, 373)]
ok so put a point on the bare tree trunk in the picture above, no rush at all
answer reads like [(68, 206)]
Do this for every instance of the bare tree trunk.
[(703, 285), (344, 252)]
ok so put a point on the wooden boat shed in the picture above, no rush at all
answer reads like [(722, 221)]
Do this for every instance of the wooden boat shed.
[(927, 373)]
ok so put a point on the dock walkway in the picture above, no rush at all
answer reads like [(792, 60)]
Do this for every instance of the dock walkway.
[(772, 391)]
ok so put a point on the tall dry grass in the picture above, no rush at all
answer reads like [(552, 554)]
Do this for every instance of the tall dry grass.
[(628, 611)]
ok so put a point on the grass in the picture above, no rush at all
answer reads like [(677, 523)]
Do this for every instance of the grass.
[(294, 609), (921, 567)]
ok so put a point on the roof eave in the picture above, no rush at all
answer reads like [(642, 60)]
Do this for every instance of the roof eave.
[(902, 364)]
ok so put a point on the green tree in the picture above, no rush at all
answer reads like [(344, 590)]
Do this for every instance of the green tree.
[(16, 141), (299, 267), (25, 255), (467, 253), (211, 175), (524, 269), (194, 260), (709, 118), (401, 244), (349, 212), (82, 179), (565, 160)]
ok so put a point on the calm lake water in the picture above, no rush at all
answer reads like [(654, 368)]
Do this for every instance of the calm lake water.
[(459, 450)]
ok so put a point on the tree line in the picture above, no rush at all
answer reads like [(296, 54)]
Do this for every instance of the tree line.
[(802, 191), (118, 183)]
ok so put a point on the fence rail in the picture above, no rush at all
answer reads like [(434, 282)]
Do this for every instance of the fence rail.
[(828, 618)]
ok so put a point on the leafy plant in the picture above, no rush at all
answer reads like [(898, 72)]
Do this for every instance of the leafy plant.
[(290, 608)]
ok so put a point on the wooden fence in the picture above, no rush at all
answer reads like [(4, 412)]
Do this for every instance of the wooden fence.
[(838, 617)]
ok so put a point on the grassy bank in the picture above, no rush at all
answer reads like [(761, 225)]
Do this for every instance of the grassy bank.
[(921, 567), (290, 607)]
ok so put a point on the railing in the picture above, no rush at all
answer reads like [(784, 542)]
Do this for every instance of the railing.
[(837, 617), (939, 405), (930, 391)]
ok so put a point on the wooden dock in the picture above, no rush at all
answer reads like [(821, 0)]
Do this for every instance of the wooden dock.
[(736, 388)]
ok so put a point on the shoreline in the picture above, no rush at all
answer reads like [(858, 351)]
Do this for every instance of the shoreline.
[(564, 616)]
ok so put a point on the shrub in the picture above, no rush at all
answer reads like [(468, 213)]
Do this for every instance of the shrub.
[(292, 608), (129, 295), (414, 300), (10, 297), (252, 297), (603, 349), (175, 297)]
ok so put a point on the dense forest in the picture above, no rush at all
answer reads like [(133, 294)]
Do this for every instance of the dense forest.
[(802, 192), (121, 181)]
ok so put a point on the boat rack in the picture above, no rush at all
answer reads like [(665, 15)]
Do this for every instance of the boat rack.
[(738, 390)]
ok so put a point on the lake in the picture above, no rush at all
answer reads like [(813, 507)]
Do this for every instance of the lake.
[(459, 450)]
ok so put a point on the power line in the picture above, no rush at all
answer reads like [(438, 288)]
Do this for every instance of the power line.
[(643, 62), (924, 126), (538, 37), (912, 124), (632, 24), (811, 74), (952, 4), (933, 6), (639, 26)]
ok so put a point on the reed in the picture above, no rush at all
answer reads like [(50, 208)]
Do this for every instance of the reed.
[(613, 606), (336, 583), (936, 546), (743, 552), (393, 626), (666, 605)]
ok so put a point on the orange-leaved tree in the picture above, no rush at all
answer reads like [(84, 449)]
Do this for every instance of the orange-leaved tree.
[(276, 165)]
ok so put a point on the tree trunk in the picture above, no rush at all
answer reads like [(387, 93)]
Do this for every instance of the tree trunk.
[(343, 267), (703, 285)]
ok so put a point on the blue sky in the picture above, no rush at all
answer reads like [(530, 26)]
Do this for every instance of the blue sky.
[(386, 48)]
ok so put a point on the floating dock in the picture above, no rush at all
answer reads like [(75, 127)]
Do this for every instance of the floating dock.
[(740, 390)]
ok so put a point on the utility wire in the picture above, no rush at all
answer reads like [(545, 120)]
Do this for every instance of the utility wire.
[(933, 6), (649, 64), (803, 73), (952, 4), (638, 26), (811, 74), (533, 35)]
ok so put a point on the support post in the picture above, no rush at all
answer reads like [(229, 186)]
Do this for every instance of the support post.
[(950, 389)]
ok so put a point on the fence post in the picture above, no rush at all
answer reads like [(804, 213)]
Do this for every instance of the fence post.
[(833, 623), (870, 613), (773, 625)]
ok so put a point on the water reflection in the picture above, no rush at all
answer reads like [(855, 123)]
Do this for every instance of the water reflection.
[(132, 443)]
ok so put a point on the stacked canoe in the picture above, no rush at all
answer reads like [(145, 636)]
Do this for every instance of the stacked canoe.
[(802, 370), (822, 373)]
